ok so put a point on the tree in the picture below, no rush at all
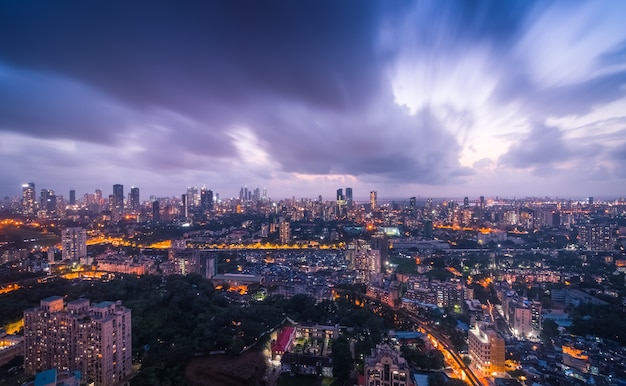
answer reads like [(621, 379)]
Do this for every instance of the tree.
[(342, 360), (549, 330)]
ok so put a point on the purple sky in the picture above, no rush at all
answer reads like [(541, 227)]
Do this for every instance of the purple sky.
[(414, 98)]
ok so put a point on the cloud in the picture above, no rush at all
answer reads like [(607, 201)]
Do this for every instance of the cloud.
[(541, 146), (398, 95)]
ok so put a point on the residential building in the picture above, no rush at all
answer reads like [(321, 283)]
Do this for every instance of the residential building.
[(94, 339), (486, 350), (74, 244), (385, 367)]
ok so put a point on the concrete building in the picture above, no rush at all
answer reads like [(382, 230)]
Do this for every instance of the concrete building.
[(11, 346), (29, 203), (74, 243), (486, 350), (285, 231), (94, 339), (385, 367)]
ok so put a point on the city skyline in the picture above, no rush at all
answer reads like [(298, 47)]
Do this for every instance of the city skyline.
[(430, 99)]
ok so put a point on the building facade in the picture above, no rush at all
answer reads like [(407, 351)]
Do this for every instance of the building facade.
[(486, 350), (74, 244), (94, 339), (385, 367)]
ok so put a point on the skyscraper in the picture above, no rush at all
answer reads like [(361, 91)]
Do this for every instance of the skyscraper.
[(29, 205), (72, 197), (134, 198), (373, 199), (284, 231), (94, 339), (74, 243), (412, 204), (48, 201), (98, 196), (193, 199), (349, 199), (185, 206), (118, 192), (206, 199), (156, 211)]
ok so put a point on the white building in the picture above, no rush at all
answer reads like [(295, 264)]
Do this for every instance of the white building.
[(74, 244)]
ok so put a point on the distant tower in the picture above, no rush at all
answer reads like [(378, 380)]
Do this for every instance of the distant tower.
[(48, 201), (134, 198), (339, 195), (466, 202), (98, 196), (412, 204), (118, 192), (156, 212), (373, 199), (29, 205), (264, 194), (349, 199), (590, 200), (72, 197), (193, 200), (285, 232), (113, 203), (185, 211), (206, 199), (74, 243)]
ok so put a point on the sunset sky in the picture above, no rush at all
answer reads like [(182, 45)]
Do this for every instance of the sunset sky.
[(408, 98)]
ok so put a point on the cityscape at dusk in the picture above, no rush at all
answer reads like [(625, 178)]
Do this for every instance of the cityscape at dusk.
[(438, 99), (313, 193)]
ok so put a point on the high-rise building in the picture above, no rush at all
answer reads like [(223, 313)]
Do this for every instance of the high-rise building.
[(486, 350), (118, 192), (373, 199), (74, 243), (185, 206), (284, 231), (134, 198), (412, 205), (72, 197), (349, 198), (48, 201), (156, 212), (206, 199), (29, 205), (94, 339), (193, 198), (98, 196), (339, 194)]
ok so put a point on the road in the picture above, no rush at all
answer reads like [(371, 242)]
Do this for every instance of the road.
[(442, 341)]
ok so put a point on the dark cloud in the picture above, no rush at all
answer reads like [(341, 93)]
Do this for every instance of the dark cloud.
[(226, 90), (183, 56), (542, 145)]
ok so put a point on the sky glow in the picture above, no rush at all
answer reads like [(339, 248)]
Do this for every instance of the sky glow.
[(414, 98)]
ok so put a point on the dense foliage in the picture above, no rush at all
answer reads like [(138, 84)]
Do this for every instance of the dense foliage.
[(177, 317)]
